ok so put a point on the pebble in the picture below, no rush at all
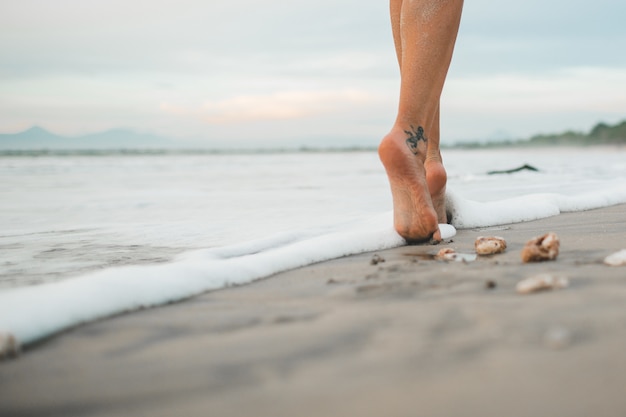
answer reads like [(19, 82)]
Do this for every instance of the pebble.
[(489, 245), (376, 259), (542, 248), (616, 259), (540, 283), (9, 346)]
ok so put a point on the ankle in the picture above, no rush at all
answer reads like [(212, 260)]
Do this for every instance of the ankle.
[(409, 141), (436, 175)]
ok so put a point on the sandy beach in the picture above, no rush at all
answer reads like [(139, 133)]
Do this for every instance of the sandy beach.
[(407, 336)]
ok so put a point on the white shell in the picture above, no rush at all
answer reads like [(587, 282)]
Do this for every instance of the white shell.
[(616, 259), (541, 282), (447, 231), (489, 245)]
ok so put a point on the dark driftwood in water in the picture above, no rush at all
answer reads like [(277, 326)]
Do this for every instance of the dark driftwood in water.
[(510, 171)]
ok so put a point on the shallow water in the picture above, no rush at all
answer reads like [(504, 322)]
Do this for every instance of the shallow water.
[(67, 220), (63, 216)]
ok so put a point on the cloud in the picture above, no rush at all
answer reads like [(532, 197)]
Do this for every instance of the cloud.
[(196, 67), (74, 36), (285, 105), (572, 89), (523, 104)]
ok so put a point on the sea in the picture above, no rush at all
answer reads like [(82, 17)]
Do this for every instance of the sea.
[(84, 236)]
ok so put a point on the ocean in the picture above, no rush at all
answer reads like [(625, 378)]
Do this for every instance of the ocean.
[(86, 236)]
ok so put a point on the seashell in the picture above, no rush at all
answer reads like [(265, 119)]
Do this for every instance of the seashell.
[(489, 245), (616, 259), (8, 345), (449, 254), (542, 248), (540, 283), (446, 254)]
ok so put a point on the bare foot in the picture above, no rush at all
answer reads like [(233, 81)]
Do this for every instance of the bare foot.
[(436, 179), (415, 218)]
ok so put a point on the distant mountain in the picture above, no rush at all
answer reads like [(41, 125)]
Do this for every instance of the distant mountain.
[(37, 138)]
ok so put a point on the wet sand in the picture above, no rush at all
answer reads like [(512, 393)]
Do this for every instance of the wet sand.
[(410, 336)]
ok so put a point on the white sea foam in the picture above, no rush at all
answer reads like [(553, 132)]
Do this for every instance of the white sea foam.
[(32, 313), (467, 213)]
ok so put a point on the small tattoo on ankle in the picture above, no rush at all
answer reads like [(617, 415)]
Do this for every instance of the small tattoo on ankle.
[(415, 136)]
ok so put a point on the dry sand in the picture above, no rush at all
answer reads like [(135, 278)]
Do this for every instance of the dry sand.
[(410, 336)]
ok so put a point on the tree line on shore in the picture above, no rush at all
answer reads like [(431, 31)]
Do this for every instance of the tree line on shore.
[(600, 134)]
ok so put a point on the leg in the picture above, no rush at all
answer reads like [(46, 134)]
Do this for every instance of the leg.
[(424, 34), (436, 176)]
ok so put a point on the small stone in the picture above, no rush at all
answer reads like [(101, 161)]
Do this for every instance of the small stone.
[(490, 284), (541, 282), (542, 248), (9, 346), (489, 245), (616, 259), (376, 259)]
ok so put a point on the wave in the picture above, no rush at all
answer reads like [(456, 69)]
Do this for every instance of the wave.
[(30, 314), (465, 214)]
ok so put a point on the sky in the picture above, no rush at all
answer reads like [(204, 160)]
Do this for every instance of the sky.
[(292, 73)]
